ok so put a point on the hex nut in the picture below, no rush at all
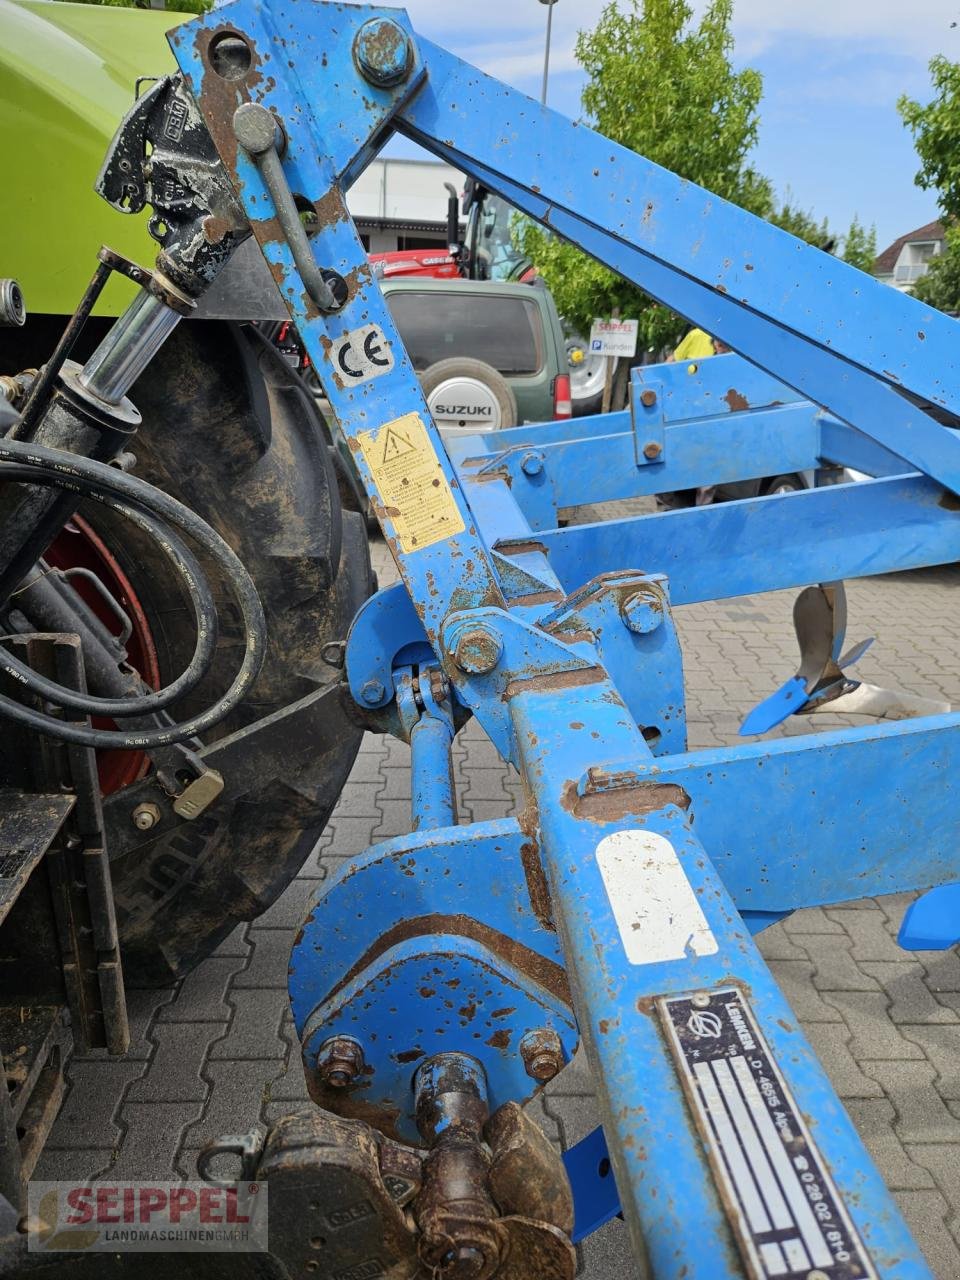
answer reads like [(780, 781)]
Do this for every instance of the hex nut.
[(477, 650), (542, 1054), (642, 612), (648, 398), (373, 693), (146, 816), (339, 1061), (652, 450), (382, 52)]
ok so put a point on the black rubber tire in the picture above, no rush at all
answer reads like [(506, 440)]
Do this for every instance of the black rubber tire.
[(229, 429), (786, 484), (466, 367)]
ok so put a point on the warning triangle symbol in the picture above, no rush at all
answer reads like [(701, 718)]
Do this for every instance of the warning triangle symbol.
[(395, 445)]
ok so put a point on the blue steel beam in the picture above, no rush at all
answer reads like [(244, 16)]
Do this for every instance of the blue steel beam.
[(829, 817), (628, 943), (835, 335), (766, 544), (742, 446)]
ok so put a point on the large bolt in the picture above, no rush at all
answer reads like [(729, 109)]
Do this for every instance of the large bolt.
[(339, 1061), (642, 612), (542, 1054), (382, 51), (648, 398), (476, 649), (373, 693), (532, 464), (146, 816), (652, 449)]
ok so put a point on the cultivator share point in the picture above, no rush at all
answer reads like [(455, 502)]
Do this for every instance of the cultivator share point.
[(444, 977)]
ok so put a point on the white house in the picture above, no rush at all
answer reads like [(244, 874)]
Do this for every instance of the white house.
[(908, 258), (402, 204)]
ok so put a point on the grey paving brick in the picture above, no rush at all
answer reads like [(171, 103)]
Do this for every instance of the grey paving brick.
[(831, 1043), (836, 970), (293, 904), (174, 1071), (795, 979), (874, 1118), (871, 937), (236, 1096), (270, 959), (83, 1164), (922, 1115), (90, 1115), (152, 1138), (202, 996), (234, 944), (254, 1030), (925, 1212), (911, 999), (352, 835), (776, 944), (942, 1047), (874, 1035), (942, 969)]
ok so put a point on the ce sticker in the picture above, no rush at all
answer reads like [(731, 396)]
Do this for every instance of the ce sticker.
[(360, 355)]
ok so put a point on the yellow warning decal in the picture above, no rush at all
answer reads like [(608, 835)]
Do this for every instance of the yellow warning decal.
[(413, 489)]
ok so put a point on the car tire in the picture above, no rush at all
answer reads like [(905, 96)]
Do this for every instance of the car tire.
[(784, 484), (461, 382)]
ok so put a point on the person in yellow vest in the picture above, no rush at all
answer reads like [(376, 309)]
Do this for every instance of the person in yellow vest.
[(697, 345)]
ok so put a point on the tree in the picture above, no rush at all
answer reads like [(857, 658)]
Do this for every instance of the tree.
[(860, 246), (936, 135), (667, 89)]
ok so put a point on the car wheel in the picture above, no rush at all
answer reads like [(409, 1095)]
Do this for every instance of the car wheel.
[(784, 484), (466, 395)]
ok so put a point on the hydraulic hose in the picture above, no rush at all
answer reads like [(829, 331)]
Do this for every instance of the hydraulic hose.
[(151, 509)]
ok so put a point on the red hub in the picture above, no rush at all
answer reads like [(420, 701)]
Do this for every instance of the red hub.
[(79, 547)]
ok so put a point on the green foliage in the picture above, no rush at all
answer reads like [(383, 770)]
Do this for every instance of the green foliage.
[(936, 135), (172, 6), (860, 246), (940, 287), (790, 217), (666, 88)]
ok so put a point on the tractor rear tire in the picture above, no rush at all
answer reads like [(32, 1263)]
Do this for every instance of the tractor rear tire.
[(230, 429)]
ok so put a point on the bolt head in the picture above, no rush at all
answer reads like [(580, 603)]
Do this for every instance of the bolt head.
[(373, 693), (648, 398), (642, 612), (340, 1061), (146, 816), (382, 52), (477, 650), (652, 450), (542, 1054), (532, 464)]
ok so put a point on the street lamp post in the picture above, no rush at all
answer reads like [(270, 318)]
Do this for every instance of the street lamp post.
[(546, 52)]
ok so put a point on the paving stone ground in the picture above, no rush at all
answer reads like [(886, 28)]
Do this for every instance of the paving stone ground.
[(218, 1054)]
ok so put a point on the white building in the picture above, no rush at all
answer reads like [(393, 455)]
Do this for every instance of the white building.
[(402, 204), (908, 258)]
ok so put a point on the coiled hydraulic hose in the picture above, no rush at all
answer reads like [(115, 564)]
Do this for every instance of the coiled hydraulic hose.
[(151, 510)]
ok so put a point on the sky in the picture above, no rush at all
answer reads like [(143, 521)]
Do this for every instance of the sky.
[(832, 70)]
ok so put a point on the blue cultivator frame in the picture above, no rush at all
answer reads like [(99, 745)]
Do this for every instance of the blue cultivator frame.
[(618, 910)]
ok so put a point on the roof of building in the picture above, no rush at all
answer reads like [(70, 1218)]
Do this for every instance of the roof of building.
[(887, 260)]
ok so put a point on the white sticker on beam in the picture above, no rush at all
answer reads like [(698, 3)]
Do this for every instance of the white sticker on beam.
[(655, 907)]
